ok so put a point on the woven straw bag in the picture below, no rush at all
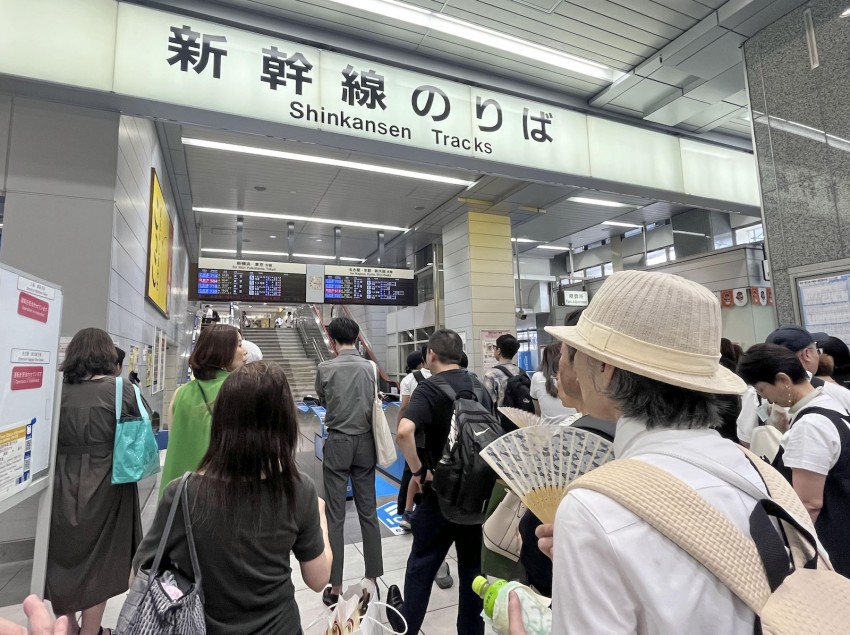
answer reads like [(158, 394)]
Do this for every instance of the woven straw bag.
[(148, 609), (791, 595)]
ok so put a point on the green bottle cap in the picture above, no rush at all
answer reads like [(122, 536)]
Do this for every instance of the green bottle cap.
[(479, 585)]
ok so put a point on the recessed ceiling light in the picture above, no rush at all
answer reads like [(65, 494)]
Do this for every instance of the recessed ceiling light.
[(307, 158), (598, 201), (845, 13), (549, 247), (482, 36), (272, 236), (212, 250), (318, 240), (615, 223), (305, 219)]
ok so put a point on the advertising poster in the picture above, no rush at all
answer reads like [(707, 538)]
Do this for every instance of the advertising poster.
[(148, 357), (488, 348), (30, 312), (160, 240), (133, 364)]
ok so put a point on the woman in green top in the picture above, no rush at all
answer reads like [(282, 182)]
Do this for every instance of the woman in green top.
[(217, 353)]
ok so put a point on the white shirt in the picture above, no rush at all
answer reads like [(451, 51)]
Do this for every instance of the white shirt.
[(614, 574), (409, 383), (551, 408), (813, 443), (748, 419)]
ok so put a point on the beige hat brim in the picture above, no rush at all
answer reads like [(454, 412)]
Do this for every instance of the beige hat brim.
[(721, 382)]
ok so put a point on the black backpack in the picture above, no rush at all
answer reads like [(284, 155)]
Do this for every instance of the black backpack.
[(463, 482), (517, 395)]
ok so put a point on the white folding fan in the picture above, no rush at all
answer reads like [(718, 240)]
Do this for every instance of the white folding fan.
[(521, 418), (539, 462)]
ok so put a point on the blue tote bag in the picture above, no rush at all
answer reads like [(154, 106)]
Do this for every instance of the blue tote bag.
[(136, 454)]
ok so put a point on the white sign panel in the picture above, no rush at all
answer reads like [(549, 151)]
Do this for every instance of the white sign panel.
[(251, 265), (825, 305), (181, 60), (575, 298), (30, 312)]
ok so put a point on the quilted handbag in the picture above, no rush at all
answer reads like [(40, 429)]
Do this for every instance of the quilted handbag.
[(166, 602)]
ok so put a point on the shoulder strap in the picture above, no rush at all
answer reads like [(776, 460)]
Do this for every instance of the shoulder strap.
[(678, 512), (119, 397), (190, 536), (443, 386), (375, 373), (504, 370), (606, 431), (141, 404), (833, 415), (419, 376), (817, 382), (166, 532)]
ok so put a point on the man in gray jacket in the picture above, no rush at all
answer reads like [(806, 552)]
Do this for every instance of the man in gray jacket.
[(346, 387)]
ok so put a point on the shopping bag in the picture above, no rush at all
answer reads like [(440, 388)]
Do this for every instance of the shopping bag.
[(384, 444), (135, 454)]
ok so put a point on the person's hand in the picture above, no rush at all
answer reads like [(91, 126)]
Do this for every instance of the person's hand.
[(39, 619), (545, 539), (515, 625)]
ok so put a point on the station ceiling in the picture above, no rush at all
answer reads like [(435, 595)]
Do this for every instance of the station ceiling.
[(675, 64)]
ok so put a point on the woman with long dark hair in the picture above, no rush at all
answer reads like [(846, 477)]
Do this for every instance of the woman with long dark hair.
[(95, 526), (544, 388), (250, 509), (218, 352)]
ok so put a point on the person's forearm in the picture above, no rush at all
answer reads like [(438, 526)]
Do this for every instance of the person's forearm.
[(407, 442)]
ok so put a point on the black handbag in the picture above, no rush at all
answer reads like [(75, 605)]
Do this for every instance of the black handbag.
[(149, 609)]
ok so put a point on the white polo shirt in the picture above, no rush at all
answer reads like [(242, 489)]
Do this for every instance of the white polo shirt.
[(409, 383), (614, 574), (813, 443)]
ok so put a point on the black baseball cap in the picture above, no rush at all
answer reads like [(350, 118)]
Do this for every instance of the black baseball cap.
[(820, 337), (414, 360), (794, 338)]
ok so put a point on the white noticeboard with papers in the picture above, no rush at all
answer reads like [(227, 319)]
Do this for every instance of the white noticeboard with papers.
[(30, 389)]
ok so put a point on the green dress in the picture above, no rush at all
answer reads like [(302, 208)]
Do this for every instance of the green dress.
[(189, 433)]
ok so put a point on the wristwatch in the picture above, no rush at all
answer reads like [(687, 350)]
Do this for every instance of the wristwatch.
[(422, 470)]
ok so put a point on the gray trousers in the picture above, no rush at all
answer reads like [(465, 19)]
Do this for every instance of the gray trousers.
[(352, 456)]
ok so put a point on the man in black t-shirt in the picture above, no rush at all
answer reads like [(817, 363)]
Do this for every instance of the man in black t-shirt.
[(430, 411)]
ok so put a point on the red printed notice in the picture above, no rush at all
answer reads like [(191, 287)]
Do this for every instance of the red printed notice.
[(27, 377), (33, 307)]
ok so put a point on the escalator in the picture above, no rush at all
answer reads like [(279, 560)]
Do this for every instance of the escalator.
[(311, 415)]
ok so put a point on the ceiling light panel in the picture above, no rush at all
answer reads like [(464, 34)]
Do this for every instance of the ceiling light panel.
[(614, 223), (552, 248), (482, 36), (339, 163), (598, 201), (279, 254), (303, 219)]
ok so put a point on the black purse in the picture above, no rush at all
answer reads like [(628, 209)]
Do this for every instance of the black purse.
[(149, 608)]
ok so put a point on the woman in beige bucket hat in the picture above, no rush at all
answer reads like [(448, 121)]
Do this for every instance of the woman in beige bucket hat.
[(648, 346)]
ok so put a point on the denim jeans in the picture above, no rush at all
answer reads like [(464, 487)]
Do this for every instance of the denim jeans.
[(433, 535)]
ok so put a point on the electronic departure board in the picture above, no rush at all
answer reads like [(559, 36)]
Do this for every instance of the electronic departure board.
[(369, 285), (251, 281)]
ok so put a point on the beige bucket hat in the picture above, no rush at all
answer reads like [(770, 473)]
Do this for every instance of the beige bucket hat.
[(655, 325)]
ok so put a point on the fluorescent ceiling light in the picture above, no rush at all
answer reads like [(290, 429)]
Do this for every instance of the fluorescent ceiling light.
[(598, 201), (523, 240), (482, 36), (845, 13), (615, 223), (305, 219), (339, 163), (284, 254), (682, 231), (552, 247)]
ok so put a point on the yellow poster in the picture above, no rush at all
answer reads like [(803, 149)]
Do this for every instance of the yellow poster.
[(160, 238)]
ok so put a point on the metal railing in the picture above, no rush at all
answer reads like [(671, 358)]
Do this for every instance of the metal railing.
[(312, 331)]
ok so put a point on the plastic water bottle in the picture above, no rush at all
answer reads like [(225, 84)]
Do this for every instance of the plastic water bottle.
[(536, 614)]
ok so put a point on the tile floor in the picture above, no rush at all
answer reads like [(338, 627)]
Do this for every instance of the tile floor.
[(440, 620)]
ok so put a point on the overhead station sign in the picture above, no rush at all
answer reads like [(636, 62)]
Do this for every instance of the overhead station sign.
[(369, 285), (251, 281)]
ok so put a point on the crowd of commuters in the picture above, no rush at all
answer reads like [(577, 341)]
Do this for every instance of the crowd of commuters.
[(643, 366)]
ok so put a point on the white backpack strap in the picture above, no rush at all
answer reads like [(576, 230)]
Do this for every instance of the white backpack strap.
[(678, 512)]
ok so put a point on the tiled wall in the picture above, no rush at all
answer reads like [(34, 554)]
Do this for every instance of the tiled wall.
[(132, 319), (801, 121)]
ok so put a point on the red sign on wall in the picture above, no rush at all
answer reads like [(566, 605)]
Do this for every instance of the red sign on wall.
[(33, 307), (27, 377)]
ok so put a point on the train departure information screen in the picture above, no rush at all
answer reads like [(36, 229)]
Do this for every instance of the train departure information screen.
[(279, 285), (369, 285)]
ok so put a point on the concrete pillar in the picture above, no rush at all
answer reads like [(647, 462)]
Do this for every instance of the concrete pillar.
[(479, 284)]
